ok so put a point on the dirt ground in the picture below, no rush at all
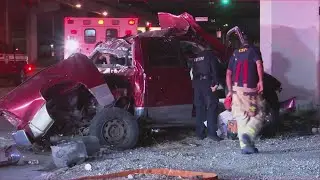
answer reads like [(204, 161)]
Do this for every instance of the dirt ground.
[(19, 172), (289, 157)]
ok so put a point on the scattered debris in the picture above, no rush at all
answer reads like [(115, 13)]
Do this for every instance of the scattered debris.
[(314, 130), (91, 142), (32, 162), (130, 176), (9, 156), (69, 154), (88, 167), (70, 151)]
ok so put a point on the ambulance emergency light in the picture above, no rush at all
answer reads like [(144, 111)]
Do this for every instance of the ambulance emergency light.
[(131, 22), (72, 45)]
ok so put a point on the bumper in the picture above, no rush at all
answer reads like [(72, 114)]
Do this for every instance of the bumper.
[(20, 137)]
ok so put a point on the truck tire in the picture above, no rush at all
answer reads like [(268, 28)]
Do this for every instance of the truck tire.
[(272, 121), (116, 128)]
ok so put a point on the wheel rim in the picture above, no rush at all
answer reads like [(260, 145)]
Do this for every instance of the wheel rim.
[(114, 131)]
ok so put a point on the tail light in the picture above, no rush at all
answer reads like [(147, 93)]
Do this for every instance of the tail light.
[(29, 68)]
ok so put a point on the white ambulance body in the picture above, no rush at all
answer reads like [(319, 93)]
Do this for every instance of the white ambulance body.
[(82, 34)]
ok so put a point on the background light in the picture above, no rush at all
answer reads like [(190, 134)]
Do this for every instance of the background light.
[(105, 13), (225, 2), (78, 5)]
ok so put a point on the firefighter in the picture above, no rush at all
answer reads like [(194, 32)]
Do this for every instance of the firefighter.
[(204, 82), (245, 84)]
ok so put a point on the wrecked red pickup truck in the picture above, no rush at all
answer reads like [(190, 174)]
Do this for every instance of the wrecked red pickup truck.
[(114, 90)]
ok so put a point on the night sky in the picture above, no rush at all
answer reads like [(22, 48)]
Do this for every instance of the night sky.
[(243, 14)]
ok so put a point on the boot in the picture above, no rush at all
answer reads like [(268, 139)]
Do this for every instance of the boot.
[(248, 150), (250, 147), (247, 140), (215, 138)]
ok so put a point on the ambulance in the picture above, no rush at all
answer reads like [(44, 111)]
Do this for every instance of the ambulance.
[(83, 34)]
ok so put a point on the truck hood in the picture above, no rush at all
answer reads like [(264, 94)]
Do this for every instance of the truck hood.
[(23, 102), (186, 22)]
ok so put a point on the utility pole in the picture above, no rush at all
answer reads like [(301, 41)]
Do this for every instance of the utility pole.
[(53, 44), (7, 38), (53, 26)]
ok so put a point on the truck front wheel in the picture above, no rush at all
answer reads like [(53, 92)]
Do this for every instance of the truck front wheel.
[(115, 127)]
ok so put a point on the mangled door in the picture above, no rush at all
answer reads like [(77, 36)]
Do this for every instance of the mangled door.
[(169, 90)]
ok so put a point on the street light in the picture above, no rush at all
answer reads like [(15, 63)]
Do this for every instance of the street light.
[(225, 2), (105, 13), (78, 5), (148, 26)]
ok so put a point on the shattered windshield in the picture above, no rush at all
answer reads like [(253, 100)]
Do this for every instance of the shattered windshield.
[(110, 59), (116, 52)]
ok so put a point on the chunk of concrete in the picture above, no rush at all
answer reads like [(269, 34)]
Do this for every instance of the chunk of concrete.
[(91, 142), (9, 155), (69, 154)]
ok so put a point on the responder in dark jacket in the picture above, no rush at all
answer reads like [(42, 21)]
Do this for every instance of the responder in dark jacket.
[(205, 84)]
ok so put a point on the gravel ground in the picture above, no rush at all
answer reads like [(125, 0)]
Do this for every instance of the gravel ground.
[(280, 158)]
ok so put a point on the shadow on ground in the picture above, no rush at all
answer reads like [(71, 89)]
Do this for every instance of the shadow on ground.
[(158, 136)]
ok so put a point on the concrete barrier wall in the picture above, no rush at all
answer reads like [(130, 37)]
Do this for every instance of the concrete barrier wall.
[(289, 40)]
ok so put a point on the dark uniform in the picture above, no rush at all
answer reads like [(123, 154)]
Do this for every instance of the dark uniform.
[(206, 102), (247, 104), (243, 66)]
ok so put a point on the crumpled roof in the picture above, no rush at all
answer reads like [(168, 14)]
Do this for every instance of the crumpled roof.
[(172, 31), (117, 47), (172, 25), (121, 47)]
